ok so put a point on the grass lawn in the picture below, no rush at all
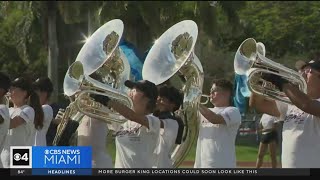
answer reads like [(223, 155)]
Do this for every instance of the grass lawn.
[(243, 153), (246, 151)]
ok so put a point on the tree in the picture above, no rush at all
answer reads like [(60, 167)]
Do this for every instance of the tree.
[(21, 46), (286, 27), (144, 22)]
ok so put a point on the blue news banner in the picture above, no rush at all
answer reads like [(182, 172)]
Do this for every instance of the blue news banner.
[(50, 160), (76, 160)]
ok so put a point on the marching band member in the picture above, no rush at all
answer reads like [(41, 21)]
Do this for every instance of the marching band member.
[(138, 138), (26, 117), (92, 132), (57, 110), (269, 139), (301, 127), (43, 87), (69, 126), (169, 101), (218, 129), (4, 111)]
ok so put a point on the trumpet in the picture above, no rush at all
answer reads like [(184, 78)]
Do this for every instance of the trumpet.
[(207, 97)]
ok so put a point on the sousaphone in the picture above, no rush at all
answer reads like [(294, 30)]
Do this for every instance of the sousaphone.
[(172, 59), (99, 69), (105, 69)]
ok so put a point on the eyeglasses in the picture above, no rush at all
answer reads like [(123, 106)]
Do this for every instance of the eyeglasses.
[(217, 89)]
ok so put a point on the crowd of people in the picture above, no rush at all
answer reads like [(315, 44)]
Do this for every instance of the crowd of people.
[(153, 128)]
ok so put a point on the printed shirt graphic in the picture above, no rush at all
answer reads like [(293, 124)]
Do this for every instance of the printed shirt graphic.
[(167, 141), (301, 138), (216, 142), (135, 144)]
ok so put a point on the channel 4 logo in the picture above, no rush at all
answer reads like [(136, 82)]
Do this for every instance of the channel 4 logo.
[(20, 157)]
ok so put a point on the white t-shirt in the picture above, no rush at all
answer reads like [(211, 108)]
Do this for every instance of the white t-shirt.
[(4, 127), (22, 135), (216, 142), (167, 140), (301, 138), (40, 138), (92, 132), (136, 144), (267, 121)]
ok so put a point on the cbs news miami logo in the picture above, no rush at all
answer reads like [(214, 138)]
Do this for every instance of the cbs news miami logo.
[(52, 159)]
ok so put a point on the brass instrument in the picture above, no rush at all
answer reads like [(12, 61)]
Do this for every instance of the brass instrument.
[(69, 112), (84, 85), (250, 60), (70, 87), (207, 98), (105, 69), (172, 59), (100, 68)]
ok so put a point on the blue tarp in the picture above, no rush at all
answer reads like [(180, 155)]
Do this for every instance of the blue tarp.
[(241, 93), (134, 59)]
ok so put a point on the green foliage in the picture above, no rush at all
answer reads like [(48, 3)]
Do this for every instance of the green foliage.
[(284, 27), (245, 152), (76, 11), (21, 46), (288, 29)]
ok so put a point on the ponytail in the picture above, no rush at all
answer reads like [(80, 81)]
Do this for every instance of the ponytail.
[(34, 102)]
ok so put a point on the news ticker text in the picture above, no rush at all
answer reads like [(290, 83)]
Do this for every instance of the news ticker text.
[(160, 172)]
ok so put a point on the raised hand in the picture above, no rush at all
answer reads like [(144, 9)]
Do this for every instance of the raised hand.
[(59, 115)]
